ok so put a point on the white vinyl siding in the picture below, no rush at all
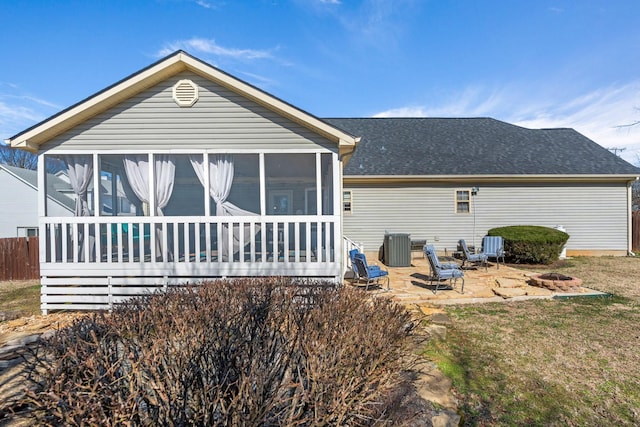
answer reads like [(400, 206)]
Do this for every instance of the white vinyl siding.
[(594, 215), (220, 119), (20, 206)]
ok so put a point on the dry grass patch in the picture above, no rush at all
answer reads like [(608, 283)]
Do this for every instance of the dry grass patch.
[(551, 362), (19, 298)]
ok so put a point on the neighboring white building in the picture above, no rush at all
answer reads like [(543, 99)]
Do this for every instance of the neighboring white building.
[(19, 201)]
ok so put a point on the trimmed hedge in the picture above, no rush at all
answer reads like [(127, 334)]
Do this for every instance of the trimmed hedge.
[(245, 352), (531, 244)]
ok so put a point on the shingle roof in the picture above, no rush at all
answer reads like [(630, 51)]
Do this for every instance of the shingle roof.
[(473, 146)]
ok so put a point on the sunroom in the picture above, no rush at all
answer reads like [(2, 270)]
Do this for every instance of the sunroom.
[(194, 215), (232, 183)]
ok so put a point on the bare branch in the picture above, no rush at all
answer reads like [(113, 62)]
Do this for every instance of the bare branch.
[(19, 158)]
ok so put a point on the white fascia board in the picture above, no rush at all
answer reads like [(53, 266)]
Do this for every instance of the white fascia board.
[(488, 178), (78, 113)]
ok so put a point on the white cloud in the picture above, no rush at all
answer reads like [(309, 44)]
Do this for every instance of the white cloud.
[(376, 23), (416, 111), (205, 4), (210, 46), (599, 114), (19, 111), (471, 102)]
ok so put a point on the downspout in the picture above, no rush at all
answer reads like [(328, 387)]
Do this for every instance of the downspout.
[(629, 217), (343, 159)]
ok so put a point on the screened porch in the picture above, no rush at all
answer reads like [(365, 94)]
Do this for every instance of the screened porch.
[(190, 215)]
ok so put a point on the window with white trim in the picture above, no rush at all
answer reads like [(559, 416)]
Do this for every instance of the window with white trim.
[(27, 231), (463, 201), (347, 198)]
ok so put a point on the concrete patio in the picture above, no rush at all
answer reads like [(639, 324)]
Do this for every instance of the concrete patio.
[(410, 285)]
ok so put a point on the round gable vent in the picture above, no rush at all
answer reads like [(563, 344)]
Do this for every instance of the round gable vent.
[(185, 93)]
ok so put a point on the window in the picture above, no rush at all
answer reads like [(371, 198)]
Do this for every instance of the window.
[(280, 202), (287, 176), (346, 201), (116, 195), (27, 231), (463, 201)]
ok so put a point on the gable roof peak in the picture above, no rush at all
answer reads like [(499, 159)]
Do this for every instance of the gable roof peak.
[(172, 64)]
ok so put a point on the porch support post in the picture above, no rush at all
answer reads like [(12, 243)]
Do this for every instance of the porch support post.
[(340, 252), (42, 213), (152, 187), (263, 191), (207, 179), (152, 211), (207, 207), (319, 184), (630, 217), (97, 186)]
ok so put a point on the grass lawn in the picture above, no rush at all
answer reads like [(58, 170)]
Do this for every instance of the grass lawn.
[(20, 298), (562, 362), (572, 361)]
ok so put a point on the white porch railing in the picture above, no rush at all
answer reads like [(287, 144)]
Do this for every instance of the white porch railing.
[(103, 252), (218, 244), (348, 246)]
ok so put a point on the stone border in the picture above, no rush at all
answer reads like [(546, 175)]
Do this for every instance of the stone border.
[(572, 285)]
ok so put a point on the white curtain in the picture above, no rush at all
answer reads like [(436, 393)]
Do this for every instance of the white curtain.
[(80, 170), (136, 167), (221, 172), (129, 193)]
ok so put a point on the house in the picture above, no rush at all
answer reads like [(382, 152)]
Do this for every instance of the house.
[(19, 195), (445, 179), (221, 180), (203, 176)]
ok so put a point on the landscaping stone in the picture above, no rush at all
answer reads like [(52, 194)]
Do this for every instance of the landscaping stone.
[(510, 292), (428, 309), (434, 386), (507, 282), (437, 331), (446, 419), (441, 319), (567, 284)]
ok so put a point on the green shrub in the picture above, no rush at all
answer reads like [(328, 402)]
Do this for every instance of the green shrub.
[(531, 244), (238, 353)]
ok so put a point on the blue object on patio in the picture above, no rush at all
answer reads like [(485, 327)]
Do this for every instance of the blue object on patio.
[(445, 265), (370, 274), (352, 254), (439, 273), (493, 247), (480, 258)]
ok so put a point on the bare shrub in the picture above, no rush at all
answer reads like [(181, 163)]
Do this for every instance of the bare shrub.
[(238, 353)]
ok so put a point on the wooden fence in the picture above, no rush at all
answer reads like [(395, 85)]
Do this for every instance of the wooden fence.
[(19, 258), (635, 231)]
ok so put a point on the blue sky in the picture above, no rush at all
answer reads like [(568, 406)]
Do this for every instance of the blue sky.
[(536, 63)]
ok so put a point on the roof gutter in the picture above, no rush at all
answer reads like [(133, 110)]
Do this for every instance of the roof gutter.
[(354, 179)]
